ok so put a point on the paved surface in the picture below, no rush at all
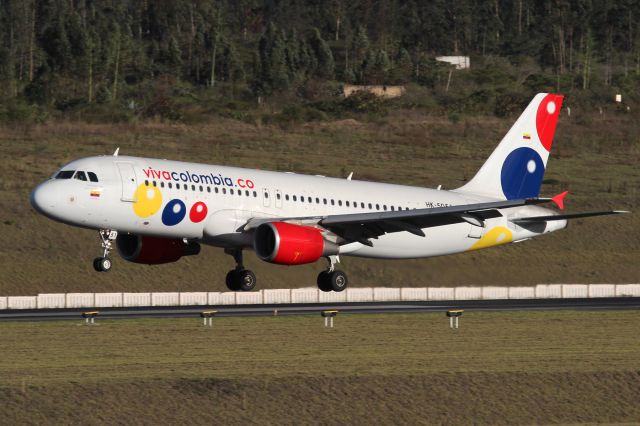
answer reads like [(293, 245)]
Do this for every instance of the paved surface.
[(315, 308)]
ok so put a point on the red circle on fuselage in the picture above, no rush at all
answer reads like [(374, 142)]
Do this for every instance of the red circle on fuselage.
[(198, 212)]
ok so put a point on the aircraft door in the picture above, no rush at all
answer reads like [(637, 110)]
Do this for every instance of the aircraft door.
[(129, 182), (265, 197), (278, 199)]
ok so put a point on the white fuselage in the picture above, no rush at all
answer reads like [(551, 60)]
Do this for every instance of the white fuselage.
[(132, 195)]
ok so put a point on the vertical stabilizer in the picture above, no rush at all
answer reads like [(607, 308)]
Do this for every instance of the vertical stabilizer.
[(516, 167)]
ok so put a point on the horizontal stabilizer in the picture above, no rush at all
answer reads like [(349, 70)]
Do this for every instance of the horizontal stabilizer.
[(565, 216)]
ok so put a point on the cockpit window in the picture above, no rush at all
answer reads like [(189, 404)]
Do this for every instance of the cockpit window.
[(92, 177), (80, 176), (65, 174)]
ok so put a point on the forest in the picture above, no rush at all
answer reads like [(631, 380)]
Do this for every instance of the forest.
[(117, 60)]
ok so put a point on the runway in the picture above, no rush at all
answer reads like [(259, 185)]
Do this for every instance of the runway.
[(612, 303)]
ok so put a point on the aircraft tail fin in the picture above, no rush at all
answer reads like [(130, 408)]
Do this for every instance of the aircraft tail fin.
[(516, 167)]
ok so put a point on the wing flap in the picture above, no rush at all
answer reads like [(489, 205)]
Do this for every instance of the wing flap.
[(538, 219)]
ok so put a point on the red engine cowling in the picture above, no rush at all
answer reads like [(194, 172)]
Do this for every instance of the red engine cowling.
[(153, 250), (289, 244)]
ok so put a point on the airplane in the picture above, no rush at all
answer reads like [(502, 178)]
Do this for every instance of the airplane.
[(157, 211)]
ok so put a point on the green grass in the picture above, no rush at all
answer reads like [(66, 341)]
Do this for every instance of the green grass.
[(506, 368)]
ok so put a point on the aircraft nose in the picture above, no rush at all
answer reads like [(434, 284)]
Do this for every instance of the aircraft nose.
[(43, 200)]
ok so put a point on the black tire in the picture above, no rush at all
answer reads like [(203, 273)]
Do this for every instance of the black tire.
[(323, 281), (338, 280), (246, 280), (96, 264), (103, 264), (232, 281)]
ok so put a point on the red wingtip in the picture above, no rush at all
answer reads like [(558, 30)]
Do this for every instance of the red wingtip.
[(559, 199)]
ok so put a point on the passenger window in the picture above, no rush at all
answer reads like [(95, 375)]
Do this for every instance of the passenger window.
[(286, 197), (92, 177), (301, 199), (208, 189), (146, 183), (266, 194), (255, 194), (231, 191), (154, 183), (377, 206), (370, 207), (309, 199), (392, 208), (247, 193), (324, 200), (317, 200), (277, 195), (169, 184), (355, 204), (362, 205), (217, 189), (161, 184), (200, 188), (333, 203), (347, 203), (224, 190), (340, 202), (65, 174), (384, 207), (295, 198)]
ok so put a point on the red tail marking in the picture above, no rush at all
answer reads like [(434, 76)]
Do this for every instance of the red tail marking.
[(559, 199)]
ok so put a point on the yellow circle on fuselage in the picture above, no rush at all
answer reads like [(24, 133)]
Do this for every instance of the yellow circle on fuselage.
[(496, 236), (148, 200)]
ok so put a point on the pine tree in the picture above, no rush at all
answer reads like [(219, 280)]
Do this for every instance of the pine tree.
[(322, 52)]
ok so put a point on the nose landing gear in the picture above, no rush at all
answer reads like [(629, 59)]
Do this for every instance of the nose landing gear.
[(239, 279), (103, 263), (332, 279)]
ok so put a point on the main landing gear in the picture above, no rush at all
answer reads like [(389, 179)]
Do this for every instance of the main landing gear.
[(103, 264), (239, 279), (332, 279)]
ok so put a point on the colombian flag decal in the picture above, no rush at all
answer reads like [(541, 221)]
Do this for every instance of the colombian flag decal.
[(526, 136), (95, 193)]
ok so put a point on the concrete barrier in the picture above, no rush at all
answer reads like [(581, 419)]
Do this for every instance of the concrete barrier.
[(575, 291), (165, 299), (193, 298), (413, 294), (437, 293), (332, 296), (227, 298), (364, 294), (3, 302), (468, 293), (384, 294), (80, 300), (549, 291), (277, 296), (522, 292), (628, 290), (51, 300), (108, 300), (602, 290), (249, 298), (495, 293), (136, 299), (22, 302), (304, 295)]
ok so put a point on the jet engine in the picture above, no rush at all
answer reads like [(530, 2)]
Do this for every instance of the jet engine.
[(154, 250), (289, 244)]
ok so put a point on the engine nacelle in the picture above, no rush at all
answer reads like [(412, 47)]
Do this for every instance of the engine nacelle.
[(153, 250), (289, 244)]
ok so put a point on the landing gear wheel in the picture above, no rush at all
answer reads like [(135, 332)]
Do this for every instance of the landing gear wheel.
[(323, 281), (338, 280), (102, 264), (246, 280), (232, 281)]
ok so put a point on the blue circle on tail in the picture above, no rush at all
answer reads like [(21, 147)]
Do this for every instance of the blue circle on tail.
[(522, 173), (173, 212)]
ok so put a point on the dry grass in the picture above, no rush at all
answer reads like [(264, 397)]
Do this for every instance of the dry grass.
[(498, 368), (597, 162)]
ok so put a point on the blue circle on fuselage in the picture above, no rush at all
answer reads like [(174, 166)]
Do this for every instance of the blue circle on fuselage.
[(522, 173), (173, 212)]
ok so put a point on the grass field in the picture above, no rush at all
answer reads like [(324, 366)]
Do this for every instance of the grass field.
[(595, 158), (498, 368)]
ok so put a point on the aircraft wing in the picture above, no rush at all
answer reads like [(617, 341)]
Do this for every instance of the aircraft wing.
[(362, 227), (539, 219)]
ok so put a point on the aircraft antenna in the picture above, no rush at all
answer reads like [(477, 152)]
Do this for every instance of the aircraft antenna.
[(350, 176), (115, 154)]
